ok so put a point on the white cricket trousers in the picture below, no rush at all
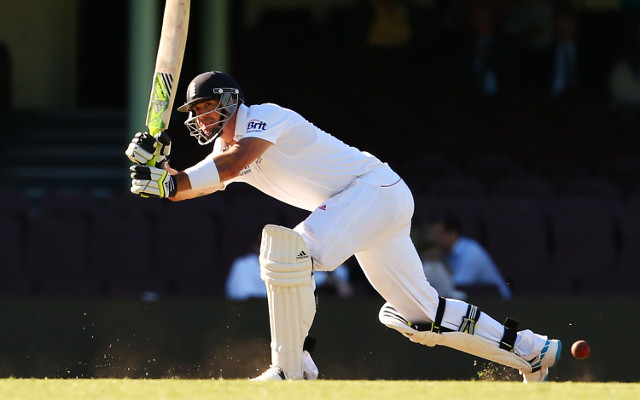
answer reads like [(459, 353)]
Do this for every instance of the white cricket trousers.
[(371, 219)]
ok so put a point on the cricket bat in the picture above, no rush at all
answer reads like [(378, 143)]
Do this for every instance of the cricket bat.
[(173, 38)]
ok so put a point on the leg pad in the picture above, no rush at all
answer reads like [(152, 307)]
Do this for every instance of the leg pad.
[(285, 268), (465, 342)]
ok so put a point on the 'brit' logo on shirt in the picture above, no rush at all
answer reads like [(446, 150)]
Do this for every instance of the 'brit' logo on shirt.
[(256, 126)]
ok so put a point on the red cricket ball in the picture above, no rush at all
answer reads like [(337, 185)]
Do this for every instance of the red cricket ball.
[(580, 349)]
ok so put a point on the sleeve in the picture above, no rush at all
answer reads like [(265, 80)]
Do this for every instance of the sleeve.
[(267, 122)]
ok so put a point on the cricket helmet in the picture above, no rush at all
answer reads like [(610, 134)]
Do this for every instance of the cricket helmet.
[(206, 86)]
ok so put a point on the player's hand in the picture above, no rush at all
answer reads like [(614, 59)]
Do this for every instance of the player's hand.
[(152, 182), (144, 146)]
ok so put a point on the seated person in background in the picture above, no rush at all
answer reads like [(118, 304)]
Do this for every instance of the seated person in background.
[(624, 79), (244, 282), (470, 263), (434, 264)]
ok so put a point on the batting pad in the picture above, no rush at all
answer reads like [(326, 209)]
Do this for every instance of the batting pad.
[(461, 341), (285, 268)]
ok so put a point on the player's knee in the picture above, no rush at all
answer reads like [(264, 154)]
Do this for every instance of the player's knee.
[(284, 257), (390, 317)]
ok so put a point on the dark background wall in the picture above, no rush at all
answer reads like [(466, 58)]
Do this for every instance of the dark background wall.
[(550, 185)]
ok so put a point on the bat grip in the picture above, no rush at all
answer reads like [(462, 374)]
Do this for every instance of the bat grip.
[(156, 154), (163, 140)]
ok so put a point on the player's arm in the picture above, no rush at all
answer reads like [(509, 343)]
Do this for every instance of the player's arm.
[(239, 155), (203, 178), (185, 191)]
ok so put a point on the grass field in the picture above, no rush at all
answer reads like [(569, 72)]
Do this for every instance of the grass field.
[(177, 389)]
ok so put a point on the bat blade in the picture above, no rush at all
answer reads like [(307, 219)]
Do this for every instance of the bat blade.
[(173, 39), (160, 105)]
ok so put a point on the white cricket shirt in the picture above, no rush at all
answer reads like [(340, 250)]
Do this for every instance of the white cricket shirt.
[(306, 165)]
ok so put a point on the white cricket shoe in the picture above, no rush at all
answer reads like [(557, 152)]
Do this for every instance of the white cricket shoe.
[(309, 367), (310, 371), (272, 374), (548, 357)]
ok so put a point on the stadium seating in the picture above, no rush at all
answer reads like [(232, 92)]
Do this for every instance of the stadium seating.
[(584, 245), (626, 276), (121, 254), (187, 253), (71, 243), (14, 213), (57, 246), (517, 237)]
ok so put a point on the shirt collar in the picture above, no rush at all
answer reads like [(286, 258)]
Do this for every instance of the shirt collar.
[(241, 122)]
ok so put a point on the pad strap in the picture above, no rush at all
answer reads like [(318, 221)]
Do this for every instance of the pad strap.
[(510, 333), (390, 312), (469, 321), (436, 326)]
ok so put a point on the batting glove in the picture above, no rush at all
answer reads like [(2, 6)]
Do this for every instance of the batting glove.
[(143, 148), (152, 182)]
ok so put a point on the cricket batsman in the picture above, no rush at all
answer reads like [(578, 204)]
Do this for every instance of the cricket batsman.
[(359, 206)]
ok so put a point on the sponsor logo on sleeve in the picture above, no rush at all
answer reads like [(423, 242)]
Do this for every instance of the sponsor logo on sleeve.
[(256, 125)]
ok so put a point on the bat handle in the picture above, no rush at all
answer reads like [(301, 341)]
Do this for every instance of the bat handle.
[(156, 154), (163, 141)]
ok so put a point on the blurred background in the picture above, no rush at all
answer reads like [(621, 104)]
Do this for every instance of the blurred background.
[(466, 99), (520, 117)]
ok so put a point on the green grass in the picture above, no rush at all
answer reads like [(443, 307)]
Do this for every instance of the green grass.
[(174, 389)]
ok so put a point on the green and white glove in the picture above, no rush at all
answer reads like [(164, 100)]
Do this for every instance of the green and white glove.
[(152, 182), (143, 148)]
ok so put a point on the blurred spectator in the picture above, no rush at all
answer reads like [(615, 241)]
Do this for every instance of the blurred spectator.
[(624, 80), (470, 263), (434, 264), (336, 282), (483, 59), (566, 56), (380, 34), (530, 25), (5, 78), (379, 24), (244, 280), (390, 26), (530, 22)]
